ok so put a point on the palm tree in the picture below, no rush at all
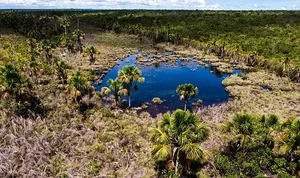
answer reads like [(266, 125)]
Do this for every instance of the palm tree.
[(128, 75), (35, 68), (91, 51), (64, 22), (12, 82), (178, 140), (78, 35), (289, 144), (243, 126), (186, 91), (77, 86), (286, 65), (157, 25), (47, 45), (117, 88), (60, 67), (32, 48)]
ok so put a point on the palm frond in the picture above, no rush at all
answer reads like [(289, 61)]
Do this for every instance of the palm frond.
[(195, 152), (161, 152), (159, 137)]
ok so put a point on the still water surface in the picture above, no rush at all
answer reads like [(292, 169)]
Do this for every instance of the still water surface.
[(162, 80)]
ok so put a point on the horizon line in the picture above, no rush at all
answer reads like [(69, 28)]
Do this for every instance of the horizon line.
[(92, 9)]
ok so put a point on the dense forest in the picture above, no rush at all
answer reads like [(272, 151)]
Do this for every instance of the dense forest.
[(53, 123)]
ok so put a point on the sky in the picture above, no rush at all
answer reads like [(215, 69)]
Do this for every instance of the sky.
[(153, 4)]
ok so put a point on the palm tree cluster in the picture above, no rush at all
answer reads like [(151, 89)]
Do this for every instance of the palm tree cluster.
[(260, 144), (254, 38), (123, 84), (177, 143)]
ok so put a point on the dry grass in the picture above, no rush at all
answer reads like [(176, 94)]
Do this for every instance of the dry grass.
[(106, 144), (283, 101)]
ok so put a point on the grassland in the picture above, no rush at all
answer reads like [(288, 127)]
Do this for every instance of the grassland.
[(89, 140)]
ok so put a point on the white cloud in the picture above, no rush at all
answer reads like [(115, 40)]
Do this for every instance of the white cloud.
[(294, 6), (213, 7), (283, 8), (107, 4), (255, 5)]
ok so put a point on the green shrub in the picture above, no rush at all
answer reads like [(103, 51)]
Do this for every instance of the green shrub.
[(94, 167), (169, 173), (252, 169), (106, 112), (244, 76), (278, 166), (224, 165), (284, 174)]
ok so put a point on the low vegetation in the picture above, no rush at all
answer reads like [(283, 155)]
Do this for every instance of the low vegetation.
[(54, 124)]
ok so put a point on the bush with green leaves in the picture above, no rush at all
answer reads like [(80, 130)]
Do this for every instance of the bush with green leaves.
[(259, 145)]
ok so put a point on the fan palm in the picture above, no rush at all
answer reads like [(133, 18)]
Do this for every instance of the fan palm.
[(128, 75), (178, 139), (47, 45), (78, 35), (32, 48), (186, 91), (91, 51), (12, 81), (64, 22), (117, 88), (60, 67), (76, 85), (243, 126), (35, 67), (286, 65), (289, 144)]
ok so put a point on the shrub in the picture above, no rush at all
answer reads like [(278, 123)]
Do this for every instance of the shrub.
[(244, 76), (252, 169), (224, 165)]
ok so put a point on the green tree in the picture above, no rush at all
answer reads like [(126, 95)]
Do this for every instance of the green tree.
[(35, 68), (91, 51), (65, 23), (12, 82), (60, 67), (77, 86), (78, 35), (128, 75), (186, 91), (178, 140), (286, 65), (243, 126), (48, 45), (32, 43), (117, 88), (289, 143)]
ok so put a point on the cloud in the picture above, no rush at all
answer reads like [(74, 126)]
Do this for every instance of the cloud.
[(213, 6), (107, 4)]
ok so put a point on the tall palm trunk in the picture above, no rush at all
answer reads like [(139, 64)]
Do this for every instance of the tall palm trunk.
[(65, 30), (77, 23), (245, 159), (129, 102), (116, 98), (129, 91), (175, 160), (156, 34), (185, 104)]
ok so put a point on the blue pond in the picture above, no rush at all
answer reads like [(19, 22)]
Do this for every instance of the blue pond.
[(162, 80)]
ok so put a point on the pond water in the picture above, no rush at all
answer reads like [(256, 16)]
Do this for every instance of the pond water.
[(162, 80)]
